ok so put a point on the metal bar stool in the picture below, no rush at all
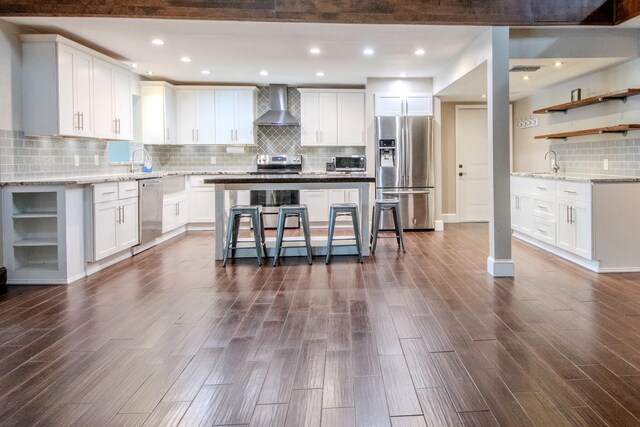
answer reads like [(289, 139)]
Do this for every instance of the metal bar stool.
[(284, 212), (236, 213), (342, 209), (392, 205)]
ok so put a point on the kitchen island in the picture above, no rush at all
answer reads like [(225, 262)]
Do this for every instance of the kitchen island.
[(358, 182)]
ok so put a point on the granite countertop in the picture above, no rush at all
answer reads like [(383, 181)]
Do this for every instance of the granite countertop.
[(218, 176), (595, 179)]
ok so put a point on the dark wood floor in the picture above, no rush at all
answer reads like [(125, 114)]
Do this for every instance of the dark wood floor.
[(415, 339)]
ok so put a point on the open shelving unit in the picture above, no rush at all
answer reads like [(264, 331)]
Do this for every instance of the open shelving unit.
[(619, 129), (621, 95)]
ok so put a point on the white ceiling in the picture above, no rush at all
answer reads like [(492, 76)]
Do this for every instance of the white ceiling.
[(236, 52), (473, 85)]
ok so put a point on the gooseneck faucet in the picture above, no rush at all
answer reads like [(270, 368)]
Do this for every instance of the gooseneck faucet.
[(146, 155), (555, 166)]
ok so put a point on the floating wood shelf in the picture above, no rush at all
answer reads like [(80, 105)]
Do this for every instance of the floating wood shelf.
[(563, 108), (623, 129)]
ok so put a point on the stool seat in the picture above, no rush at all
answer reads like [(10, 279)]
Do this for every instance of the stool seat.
[(342, 209), (381, 205), (293, 210), (236, 213)]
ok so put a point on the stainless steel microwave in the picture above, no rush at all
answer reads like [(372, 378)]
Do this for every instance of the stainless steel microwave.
[(355, 163)]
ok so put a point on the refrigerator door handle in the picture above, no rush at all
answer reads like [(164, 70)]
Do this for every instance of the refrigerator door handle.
[(405, 192)]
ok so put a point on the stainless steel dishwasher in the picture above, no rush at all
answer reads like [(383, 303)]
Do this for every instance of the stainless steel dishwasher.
[(150, 214)]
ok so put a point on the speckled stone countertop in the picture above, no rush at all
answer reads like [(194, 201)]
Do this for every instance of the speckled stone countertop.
[(285, 178), (595, 179), (232, 176)]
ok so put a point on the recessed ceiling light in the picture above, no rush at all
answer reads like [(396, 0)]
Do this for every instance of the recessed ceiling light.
[(403, 75), (205, 72), (314, 51), (185, 59), (150, 73), (559, 64), (134, 65), (264, 73), (419, 52), (320, 74), (368, 51), (157, 42), (525, 78)]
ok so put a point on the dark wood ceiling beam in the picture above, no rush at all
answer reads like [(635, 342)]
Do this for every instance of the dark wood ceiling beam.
[(627, 9), (463, 12)]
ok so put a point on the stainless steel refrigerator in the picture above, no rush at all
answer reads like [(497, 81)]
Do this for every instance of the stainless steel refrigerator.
[(405, 169)]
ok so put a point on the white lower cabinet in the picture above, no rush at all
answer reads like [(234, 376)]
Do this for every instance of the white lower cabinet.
[(114, 219), (202, 205), (521, 212), (319, 202), (574, 227), (174, 212)]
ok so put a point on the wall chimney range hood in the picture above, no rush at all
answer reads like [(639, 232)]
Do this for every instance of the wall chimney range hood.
[(277, 114)]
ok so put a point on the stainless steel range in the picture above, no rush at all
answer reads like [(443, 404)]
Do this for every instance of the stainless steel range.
[(271, 200)]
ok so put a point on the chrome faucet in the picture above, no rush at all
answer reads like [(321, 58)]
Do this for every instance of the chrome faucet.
[(146, 155), (555, 166)]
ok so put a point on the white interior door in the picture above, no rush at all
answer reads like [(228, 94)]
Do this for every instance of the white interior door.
[(472, 169)]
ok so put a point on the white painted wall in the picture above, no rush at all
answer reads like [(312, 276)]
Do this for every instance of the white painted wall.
[(529, 152)]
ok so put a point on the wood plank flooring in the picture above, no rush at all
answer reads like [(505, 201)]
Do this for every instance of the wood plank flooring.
[(425, 338)]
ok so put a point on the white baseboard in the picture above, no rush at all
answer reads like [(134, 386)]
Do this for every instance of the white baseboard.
[(94, 267), (583, 262), (439, 225), (201, 226), (450, 218), (500, 267)]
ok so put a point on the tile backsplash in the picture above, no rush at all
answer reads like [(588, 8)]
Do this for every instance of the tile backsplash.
[(588, 157), (44, 157)]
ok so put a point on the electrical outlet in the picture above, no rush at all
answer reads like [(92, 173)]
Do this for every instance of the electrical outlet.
[(605, 164), (96, 160), (76, 160), (213, 160)]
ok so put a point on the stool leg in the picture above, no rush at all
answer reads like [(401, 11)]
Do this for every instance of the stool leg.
[(399, 230), (375, 226), (230, 229), (255, 219), (281, 221), (373, 223), (356, 229), (264, 240), (236, 233), (307, 235), (332, 225)]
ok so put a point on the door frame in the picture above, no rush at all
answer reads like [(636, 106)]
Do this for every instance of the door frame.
[(458, 108), (455, 218)]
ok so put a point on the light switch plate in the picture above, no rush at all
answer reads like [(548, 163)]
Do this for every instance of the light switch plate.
[(76, 160), (213, 160), (605, 164), (96, 160)]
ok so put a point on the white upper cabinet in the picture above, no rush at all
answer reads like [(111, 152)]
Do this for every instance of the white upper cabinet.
[(195, 112), (158, 113), (112, 110), (71, 90), (235, 113), (414, 104), (332, 117)]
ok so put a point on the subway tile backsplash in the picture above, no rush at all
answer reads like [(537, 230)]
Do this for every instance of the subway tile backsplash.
[(588, 157), (41, 157)]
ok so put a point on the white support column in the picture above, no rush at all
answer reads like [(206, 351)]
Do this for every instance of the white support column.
[(499, 263)]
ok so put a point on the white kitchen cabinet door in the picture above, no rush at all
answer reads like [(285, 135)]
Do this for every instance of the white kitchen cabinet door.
[(328, 118), (225, 116), (169, 215), (565, 230), (127, 230), (317, 202), (182, 212), (122, 108), (105, 228), (388, 105), (351, 119), (419, 104), (309, 118), (158, 113), (82, 68), (582, 224), (202, 205), (104, 122), (186, 116), (67, 114), (245, 114), (515, 213), (525, 206), (205, 116)]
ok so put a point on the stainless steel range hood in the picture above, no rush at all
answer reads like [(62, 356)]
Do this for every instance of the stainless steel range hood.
[(277, 114)]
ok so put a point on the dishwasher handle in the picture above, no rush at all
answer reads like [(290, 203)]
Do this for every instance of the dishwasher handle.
[(151, 182), (405, 192)]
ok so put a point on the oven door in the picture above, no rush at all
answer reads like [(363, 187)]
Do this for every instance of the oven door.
[(271, 200)]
